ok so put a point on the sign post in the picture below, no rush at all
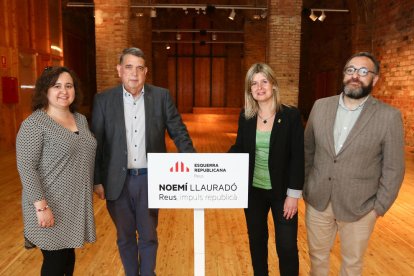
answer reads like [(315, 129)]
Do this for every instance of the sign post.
[(198, 181), (199, 246)]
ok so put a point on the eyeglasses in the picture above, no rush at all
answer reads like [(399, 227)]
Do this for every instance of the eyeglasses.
[(363, 71)]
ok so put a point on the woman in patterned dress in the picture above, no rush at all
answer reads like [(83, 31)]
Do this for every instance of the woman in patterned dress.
[(55, 158)]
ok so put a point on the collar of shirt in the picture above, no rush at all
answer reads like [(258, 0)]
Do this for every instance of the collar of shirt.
[(342, 104), (128, 98)]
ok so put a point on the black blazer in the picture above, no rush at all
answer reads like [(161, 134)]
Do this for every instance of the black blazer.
[(286, 153), (108, 125)]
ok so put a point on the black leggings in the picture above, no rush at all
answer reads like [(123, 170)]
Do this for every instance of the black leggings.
[(58, 262)]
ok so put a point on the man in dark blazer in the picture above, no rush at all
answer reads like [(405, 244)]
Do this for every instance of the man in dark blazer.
[(129, 121), (354, 167)]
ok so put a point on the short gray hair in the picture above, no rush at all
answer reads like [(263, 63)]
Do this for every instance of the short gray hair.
[(131, 51)]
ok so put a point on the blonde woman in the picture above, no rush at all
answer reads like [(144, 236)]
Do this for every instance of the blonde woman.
[(272, 134)]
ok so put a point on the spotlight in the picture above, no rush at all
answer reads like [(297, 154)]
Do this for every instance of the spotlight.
[(56, 48), (263, 14), (153, 13), (178, 36), (214, 37), (256, 17), (322, 17), (313, 16), (232, 14), (185, 10), (167, 46)]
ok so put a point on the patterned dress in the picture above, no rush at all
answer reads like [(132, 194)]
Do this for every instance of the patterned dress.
[(56, 164)]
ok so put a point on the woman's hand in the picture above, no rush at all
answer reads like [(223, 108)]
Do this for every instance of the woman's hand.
[(44, 214), (98, 189), (290, 208)]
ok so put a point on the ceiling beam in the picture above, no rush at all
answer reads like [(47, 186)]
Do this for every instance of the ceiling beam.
[(177, 6)]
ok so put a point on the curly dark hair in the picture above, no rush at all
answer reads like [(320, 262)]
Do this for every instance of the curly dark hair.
[(48, 79)]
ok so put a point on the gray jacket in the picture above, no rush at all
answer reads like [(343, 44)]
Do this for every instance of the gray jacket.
[(108, 125)]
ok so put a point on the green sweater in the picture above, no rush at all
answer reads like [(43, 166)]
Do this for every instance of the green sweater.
[(261, 176)]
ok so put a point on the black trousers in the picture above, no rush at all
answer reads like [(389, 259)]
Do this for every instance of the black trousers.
[(260, 202), (58, 262)]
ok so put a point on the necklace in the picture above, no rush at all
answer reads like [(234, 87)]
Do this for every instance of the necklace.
[(264, 120)]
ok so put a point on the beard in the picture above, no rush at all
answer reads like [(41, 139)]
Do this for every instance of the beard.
[(357, 92)]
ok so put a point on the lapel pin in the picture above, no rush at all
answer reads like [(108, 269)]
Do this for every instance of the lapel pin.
[(280, 120)]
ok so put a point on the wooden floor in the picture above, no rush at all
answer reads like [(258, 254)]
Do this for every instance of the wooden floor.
[(390, 252)]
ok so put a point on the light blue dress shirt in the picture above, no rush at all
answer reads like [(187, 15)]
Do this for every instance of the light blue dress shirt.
[(134, 112)]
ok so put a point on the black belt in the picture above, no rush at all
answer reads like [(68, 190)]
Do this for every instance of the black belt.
[(137, 171)]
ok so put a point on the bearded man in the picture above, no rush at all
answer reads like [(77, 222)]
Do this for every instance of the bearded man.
[(354, 167)]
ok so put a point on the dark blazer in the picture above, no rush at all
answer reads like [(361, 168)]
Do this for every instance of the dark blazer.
[(286, 156), (366, 173), (108, 125)]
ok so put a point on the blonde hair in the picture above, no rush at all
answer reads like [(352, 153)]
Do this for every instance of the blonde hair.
[(251, 106)]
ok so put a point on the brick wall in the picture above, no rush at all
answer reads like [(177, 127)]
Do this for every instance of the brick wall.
[(284, 24), (382, 27), (362, 14), (254, 43), (283, 41), (140, 36), (116, 28), (111, 36), (393, 44)]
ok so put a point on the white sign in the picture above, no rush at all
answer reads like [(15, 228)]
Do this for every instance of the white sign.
[(198, 180)]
